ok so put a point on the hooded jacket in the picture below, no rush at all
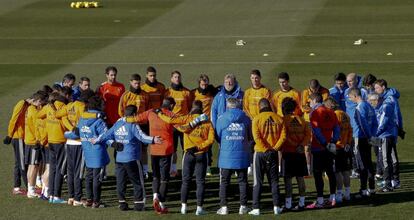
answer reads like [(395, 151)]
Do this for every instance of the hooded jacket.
[(219, 105)]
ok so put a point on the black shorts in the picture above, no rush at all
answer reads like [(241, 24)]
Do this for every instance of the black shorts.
[(343, 160), (322, 161), (45, 155), (294, 165), (32, 155)]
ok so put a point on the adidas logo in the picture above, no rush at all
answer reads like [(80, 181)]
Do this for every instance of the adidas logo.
[(235, 127), (121, 131)]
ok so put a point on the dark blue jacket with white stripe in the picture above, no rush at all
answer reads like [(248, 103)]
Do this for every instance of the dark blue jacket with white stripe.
[(128, 134)]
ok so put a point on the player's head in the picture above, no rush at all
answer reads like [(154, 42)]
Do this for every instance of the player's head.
[(288, 106), (373, 99), (135, 81), (131, 110), (380, 86), (168, 103), (351, 80), (355, 94), (255, 78), (315, 99), (229, 82), (68, 80), (369, 81), (340, 80), (111, 72), (264, 105), (197, 107), (67, 93), (233, 103), (84, 83), (95, 103), (85, 95), (203, 81), (56, 88), (151, 74), (176, 77), (39, 98), (331, 103), (47, 89), (314, 85), (283, 79)]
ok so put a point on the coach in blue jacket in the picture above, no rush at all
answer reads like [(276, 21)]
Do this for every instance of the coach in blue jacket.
[(234, 136), (230, 89)]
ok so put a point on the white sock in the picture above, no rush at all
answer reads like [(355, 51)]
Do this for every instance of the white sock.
[(161, 205), (184, 206), (288, 202), (155, 196), (347, 191), (365, 192), (319, 200), (46, 192), (31, 189), (16, 188), (302, 201), (280, 169), (174, 167), (309, 168), (199, 208), (145, 168), (332, 197), (55, 198), (243, 206)]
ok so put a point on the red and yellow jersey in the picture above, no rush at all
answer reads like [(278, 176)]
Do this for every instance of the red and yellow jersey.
[(182, 100), (269, 132), (155, 94), (251, 100), (324, 92), (298, 133), (111, 94), (70, 114), (16, 124), (345, 129), (324, 119), (206, 99), (30, 125), (141, 101), (277, 99), (201, 136), (54, 126)]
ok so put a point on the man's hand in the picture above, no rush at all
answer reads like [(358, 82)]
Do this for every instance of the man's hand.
[(401, 133), (7, 140), (118, 146), (331, 147), (192, 150), (347, 148), (157, 140), (200, 119)]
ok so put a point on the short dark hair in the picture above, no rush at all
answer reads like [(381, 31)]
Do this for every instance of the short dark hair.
[(39, 95), (56, 87), (110, 68), (283, 75), (136, 77), (151, 69), (355, 92), (314, 84), (66, 91), (85, 95), (381, 82), (316, 97), (95, 103), (330, 102), (340, 77), (167, 102), (130, 110), (204, 78), (84, 78), (288, 106), (175, 72), (197, 107), (69, 77), (47, 89), (255, 72), (264, 103), (369, 80)]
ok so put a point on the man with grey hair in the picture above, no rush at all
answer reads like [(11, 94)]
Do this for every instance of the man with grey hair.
[(234, 136), (230, 89)]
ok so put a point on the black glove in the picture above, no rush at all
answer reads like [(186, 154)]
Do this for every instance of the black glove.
[(118, 146), (401, 133), (7, 140), (192, 150), (156, 110), (76, 131), (38, 146)]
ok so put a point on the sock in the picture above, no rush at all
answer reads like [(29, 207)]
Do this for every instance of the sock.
[(16, 188), (46, 192), (145, 168), (288, 202), (280, 169), (155, 196), (319, 200), (364, 192), (184, 206), (302, 201), (199, 208), (31, 188), (332, 197), (309, 168), (162, 205), (174, 167), (347, 191), (55, 198)]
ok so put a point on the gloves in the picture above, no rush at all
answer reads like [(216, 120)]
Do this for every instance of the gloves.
[(331, 147), (300, 149), (7, 140), (347, 148), (118, 146), (192, 150), (374, 141), (200, 119), (156, 110), (38, 146), (401, 133), (76, 131), (101, 115)]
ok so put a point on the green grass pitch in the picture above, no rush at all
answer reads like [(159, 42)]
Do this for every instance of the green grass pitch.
[(41, 40)]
